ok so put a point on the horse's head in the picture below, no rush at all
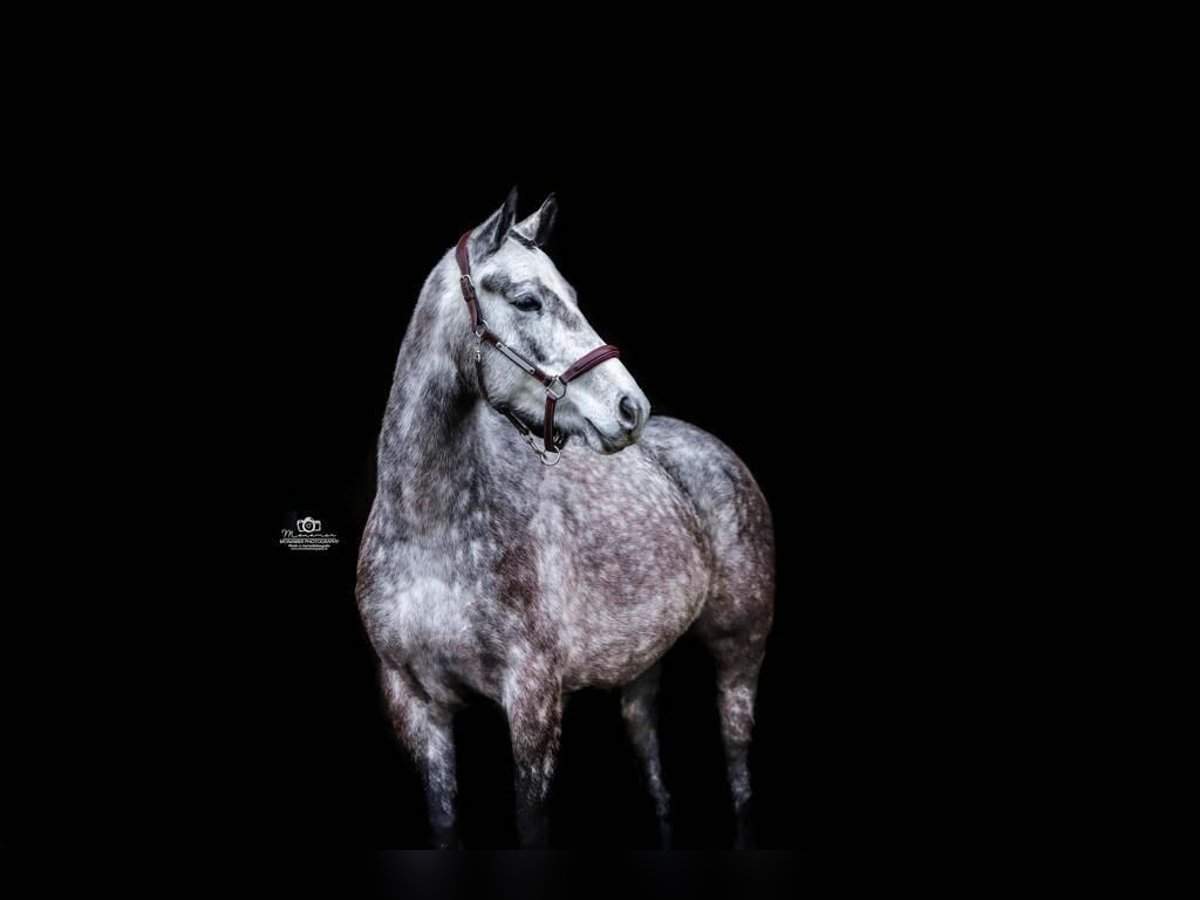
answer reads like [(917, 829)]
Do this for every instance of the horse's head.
[(528, 304)]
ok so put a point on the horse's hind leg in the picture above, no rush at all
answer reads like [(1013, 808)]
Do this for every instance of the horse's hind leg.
[(737, 644), (737, 684), (425, 727), (639, 707)]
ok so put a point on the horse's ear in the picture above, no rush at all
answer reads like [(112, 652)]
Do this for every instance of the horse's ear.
[(492, 233), (536, 229)]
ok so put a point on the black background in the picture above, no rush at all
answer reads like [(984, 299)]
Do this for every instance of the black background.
[(788, 303), (729, 308), (232, 278)]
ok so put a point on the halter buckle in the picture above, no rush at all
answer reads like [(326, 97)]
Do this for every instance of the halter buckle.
[(562, 392)]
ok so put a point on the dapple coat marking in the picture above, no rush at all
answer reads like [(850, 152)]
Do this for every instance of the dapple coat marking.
[(482, 571)]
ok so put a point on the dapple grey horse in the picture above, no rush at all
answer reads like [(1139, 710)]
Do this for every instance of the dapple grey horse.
[(482, 571)]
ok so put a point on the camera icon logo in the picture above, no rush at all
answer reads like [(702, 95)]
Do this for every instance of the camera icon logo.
[(308, 525)]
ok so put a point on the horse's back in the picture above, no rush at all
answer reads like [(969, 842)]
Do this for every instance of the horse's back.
[(735, 516)]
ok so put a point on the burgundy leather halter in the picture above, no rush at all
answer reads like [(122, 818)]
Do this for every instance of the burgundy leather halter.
[(555, 385)]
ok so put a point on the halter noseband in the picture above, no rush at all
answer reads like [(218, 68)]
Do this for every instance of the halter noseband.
[(555, 385)]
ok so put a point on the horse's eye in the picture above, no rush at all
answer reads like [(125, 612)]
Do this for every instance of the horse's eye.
[(527, 303)]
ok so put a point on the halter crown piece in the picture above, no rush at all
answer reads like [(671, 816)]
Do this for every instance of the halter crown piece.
[(555, 385)]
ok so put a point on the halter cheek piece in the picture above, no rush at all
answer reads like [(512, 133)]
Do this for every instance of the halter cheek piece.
[(555, 385)]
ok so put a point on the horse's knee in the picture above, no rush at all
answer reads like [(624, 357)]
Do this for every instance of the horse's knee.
[(418, 719)]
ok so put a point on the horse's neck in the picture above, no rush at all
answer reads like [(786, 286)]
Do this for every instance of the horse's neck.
[(438, 459)]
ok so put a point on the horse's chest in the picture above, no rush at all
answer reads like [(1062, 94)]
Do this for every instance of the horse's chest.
[(424, 599)]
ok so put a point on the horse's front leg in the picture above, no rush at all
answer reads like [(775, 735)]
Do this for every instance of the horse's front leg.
[(534, 706), (426, 730)]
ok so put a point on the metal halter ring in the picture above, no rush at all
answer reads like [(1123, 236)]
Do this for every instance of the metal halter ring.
[(547, 459), (550, 388)]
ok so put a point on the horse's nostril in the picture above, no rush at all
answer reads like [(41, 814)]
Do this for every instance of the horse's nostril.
[(630, 413)]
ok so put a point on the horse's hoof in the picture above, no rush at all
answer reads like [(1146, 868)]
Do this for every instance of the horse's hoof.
[(744, 835), (446, 840)]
